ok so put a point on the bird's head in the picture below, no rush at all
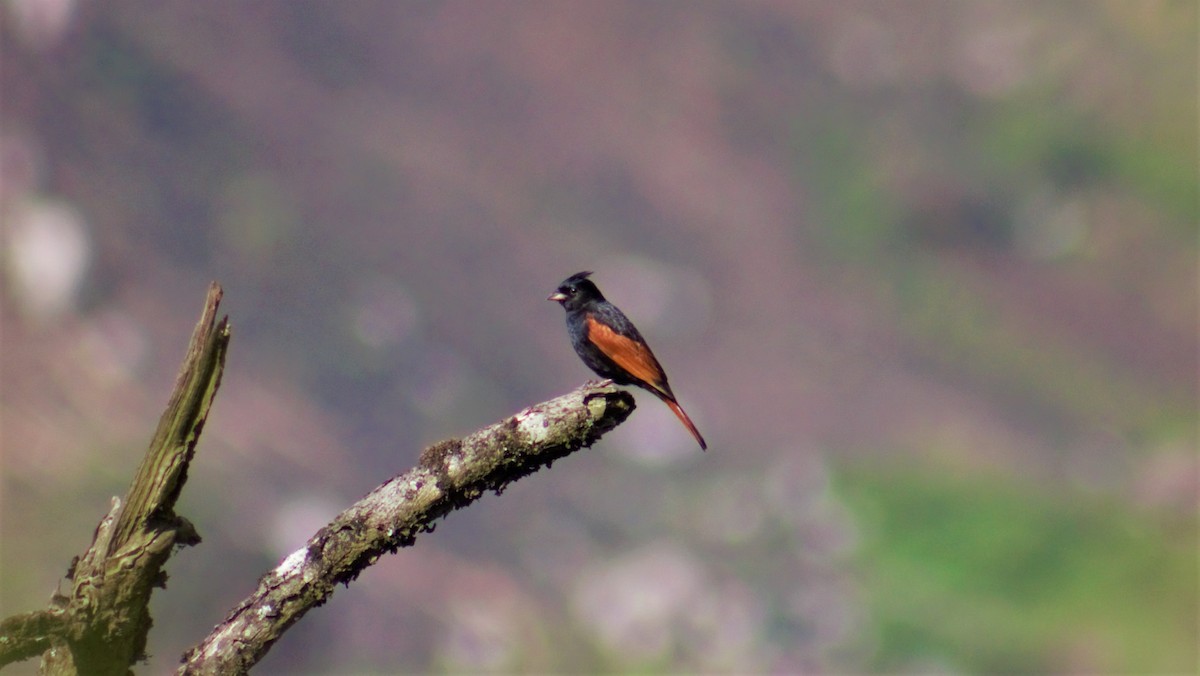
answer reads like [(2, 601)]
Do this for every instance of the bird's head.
[(576, 291)]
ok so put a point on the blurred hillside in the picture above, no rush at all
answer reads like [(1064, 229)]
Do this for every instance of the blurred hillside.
[(924, 274)]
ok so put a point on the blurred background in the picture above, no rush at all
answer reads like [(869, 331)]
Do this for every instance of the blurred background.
[(924, 274)]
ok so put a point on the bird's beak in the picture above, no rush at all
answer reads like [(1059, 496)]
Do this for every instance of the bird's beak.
[(557, 296)]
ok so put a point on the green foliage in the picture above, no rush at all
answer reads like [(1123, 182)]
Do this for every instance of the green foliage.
[(1028, 140), (954, 325), (987, 575)]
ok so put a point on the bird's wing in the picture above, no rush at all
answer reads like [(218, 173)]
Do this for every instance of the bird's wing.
[(629, 354)]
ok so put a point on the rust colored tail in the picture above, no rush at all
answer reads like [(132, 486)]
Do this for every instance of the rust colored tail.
[(683, 418)]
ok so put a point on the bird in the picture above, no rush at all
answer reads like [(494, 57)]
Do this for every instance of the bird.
[(609, 344)]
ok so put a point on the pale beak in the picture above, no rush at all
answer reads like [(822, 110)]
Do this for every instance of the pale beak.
[(558, 296)]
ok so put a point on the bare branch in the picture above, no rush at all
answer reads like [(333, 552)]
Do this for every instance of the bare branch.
[(100, 625), (449, 475), (23, 636), (163, 471)]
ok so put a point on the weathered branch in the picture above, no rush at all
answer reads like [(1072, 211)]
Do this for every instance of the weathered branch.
[(100, 625), (28, 634), (449, 475), (163, 471)]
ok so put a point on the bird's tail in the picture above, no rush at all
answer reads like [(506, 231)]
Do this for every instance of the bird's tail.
[(687, 422)]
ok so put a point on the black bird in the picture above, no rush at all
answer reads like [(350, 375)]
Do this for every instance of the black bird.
[(610, 344)]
